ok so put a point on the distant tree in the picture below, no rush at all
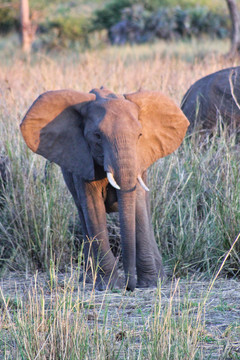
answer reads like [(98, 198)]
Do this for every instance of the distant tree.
[(235, 34), (28, 29)]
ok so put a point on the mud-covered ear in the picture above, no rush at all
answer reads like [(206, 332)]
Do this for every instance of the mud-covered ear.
[(163, 126), (52, 128)]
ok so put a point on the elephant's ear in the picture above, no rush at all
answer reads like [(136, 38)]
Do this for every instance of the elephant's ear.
[(52, 128), (163, 125)]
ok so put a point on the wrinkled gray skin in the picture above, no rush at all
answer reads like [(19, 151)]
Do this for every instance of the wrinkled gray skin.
[(92, 200), (118, 155), (212, 100), (93, 136)]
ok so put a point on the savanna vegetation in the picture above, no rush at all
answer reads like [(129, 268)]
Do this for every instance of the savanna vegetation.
[(79, 23), (195, 198)]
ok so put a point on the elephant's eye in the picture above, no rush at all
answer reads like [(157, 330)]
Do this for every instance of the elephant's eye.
[(139, 135), (98, 136)]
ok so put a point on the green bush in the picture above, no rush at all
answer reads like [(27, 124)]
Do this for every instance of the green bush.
[(153, 5), (70, 27), (63, 31), (137, 24), (8, 20), (110, 14), (203, 21)]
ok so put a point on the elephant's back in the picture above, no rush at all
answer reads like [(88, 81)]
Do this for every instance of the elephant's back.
[(213, 98)]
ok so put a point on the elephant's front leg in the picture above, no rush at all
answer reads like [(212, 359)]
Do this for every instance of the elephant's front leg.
[(94, 214), (148, 259)]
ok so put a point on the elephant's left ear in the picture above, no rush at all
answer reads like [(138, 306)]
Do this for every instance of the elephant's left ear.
[(163, 125), (52, 128)]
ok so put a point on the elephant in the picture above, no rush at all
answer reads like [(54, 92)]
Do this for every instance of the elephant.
[(104, 144), (213, 99)]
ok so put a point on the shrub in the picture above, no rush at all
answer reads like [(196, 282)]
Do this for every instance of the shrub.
[(63, 30), (8, 20), (72, 28), (110, 14), (138, 25)]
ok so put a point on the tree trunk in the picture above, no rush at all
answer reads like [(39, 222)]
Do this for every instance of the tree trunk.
[(26, 27), (235, 34)]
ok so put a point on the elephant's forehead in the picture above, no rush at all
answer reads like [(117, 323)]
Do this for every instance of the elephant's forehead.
[(112, 108), (114, 115), (120, 108)]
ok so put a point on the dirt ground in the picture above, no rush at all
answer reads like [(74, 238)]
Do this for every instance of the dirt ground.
[(221, 314)]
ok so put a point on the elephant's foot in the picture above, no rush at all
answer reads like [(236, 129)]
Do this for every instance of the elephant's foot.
[(102, 281), (130, 283), (147, 282), (150, 277), (112, 281), (86, 277), (150, 280)]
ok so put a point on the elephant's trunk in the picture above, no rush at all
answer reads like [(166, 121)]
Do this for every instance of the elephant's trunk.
[(123, 166), (120, 163)]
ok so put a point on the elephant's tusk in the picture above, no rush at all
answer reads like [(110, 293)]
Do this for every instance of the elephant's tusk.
[(112, 181), (141, 182)]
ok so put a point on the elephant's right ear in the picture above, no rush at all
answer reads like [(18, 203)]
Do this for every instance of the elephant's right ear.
[(52, 128), (163, 125)]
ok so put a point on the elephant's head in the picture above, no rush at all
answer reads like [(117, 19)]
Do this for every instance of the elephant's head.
[(123, 133)]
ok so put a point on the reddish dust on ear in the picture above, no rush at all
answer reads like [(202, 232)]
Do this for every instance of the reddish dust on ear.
[(45, 109), (164, 125)]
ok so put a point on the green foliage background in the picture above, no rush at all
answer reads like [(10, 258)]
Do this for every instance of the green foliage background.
[(63, 23)]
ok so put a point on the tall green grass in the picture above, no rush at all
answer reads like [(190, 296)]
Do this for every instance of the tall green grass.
[(195, 204), (36, 218)]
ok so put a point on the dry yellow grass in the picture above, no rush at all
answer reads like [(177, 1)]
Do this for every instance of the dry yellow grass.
[(170, 68)]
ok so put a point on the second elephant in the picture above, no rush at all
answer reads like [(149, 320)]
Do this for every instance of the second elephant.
[(214, 99), (104, 144)]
